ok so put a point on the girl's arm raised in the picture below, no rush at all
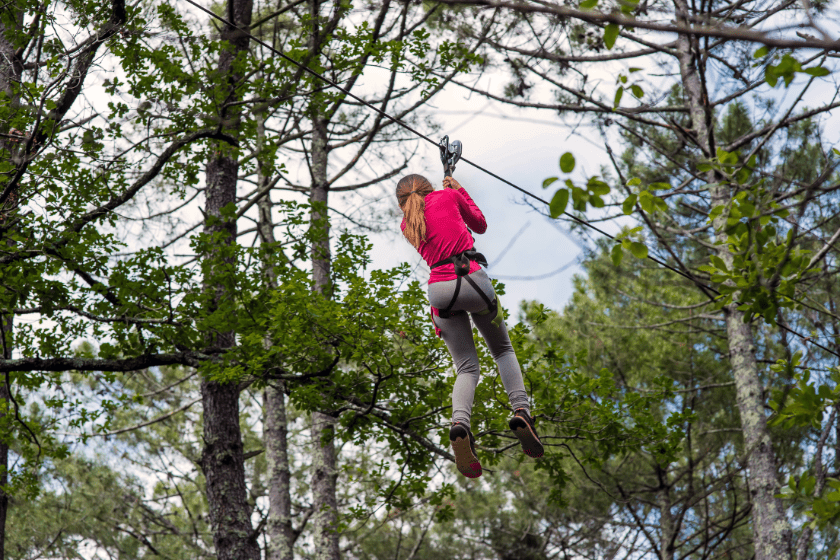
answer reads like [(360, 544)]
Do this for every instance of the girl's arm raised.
[(469, 211)]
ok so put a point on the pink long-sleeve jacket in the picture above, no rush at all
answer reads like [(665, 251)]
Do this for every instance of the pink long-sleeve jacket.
[(448, 213)]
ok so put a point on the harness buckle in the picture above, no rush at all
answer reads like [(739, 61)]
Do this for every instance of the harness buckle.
[(462, 264)]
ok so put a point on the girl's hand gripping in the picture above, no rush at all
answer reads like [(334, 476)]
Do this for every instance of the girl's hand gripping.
[(451, 183)]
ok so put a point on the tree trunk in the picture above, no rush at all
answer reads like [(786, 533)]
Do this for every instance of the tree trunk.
[(224, 470), (318, 196), (325, 473), (281, 535), (324, 478), (11, 70), (666, 520), (222, 457), (771, 530), (6, 325), (11, 66)]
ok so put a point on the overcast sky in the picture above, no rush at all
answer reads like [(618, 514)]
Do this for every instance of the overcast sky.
[(523, 146)]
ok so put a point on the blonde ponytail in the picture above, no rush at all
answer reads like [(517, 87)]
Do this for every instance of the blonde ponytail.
[(411, 194)]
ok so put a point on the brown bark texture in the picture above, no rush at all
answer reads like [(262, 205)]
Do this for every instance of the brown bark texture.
[(6, 325), (279, 529), (324, 479), (667, 535), (324, 471), (11, 66), (318, 196), (11, 69), (281, 534), (222, 456), (772, 533)]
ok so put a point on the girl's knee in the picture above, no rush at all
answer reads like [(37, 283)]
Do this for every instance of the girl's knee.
[(469, 369), (502, 352)]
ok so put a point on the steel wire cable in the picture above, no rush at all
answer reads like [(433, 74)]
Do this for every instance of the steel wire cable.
[(416, 132)]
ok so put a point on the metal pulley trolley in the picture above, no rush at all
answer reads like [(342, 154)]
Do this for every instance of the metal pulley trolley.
[(449, 155)]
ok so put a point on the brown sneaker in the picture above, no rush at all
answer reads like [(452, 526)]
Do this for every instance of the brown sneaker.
[(463, 444), (523, 427)]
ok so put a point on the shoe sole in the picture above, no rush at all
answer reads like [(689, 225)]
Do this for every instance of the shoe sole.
[(466, 462), (531, 444)]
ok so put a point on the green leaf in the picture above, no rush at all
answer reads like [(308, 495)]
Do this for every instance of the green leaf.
[(600, 188), (762, 52), (646, 201), (660, 204), (597, 186), (558, 203), (618, 93), (629, 204), (636, 181), (627, 6), (704, 167), (639, 250), (588, 4), (638, 92), (771, 76), (579, 199), (616, 253), (718, 263), (548, 181), (610, 35), (633, 69), (817, 71), (567, 162)]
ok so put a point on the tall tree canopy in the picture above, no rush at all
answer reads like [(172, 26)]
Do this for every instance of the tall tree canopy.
[(197, 362)]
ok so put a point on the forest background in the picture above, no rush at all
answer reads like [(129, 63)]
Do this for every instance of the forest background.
[(205, 354)]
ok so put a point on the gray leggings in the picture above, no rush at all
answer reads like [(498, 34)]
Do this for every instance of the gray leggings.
[(457, 334)]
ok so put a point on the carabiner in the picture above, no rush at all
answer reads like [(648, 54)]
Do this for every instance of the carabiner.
[(449, 155)]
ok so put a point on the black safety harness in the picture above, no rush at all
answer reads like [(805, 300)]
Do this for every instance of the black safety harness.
[(462, 269), (449, 156)]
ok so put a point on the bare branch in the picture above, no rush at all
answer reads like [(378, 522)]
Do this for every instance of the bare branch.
[(723, 32), (148, 422), (95, 364)]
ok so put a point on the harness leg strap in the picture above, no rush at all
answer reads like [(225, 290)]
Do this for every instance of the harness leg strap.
[(491, 305), (446, 313)]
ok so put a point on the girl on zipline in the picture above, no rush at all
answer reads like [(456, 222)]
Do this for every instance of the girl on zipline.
[(435, 223)]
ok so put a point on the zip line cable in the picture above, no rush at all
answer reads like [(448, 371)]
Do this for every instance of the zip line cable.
[(416, 132), (426, 138)]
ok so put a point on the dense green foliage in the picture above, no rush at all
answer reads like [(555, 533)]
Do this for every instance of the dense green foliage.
[(114, 283)]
